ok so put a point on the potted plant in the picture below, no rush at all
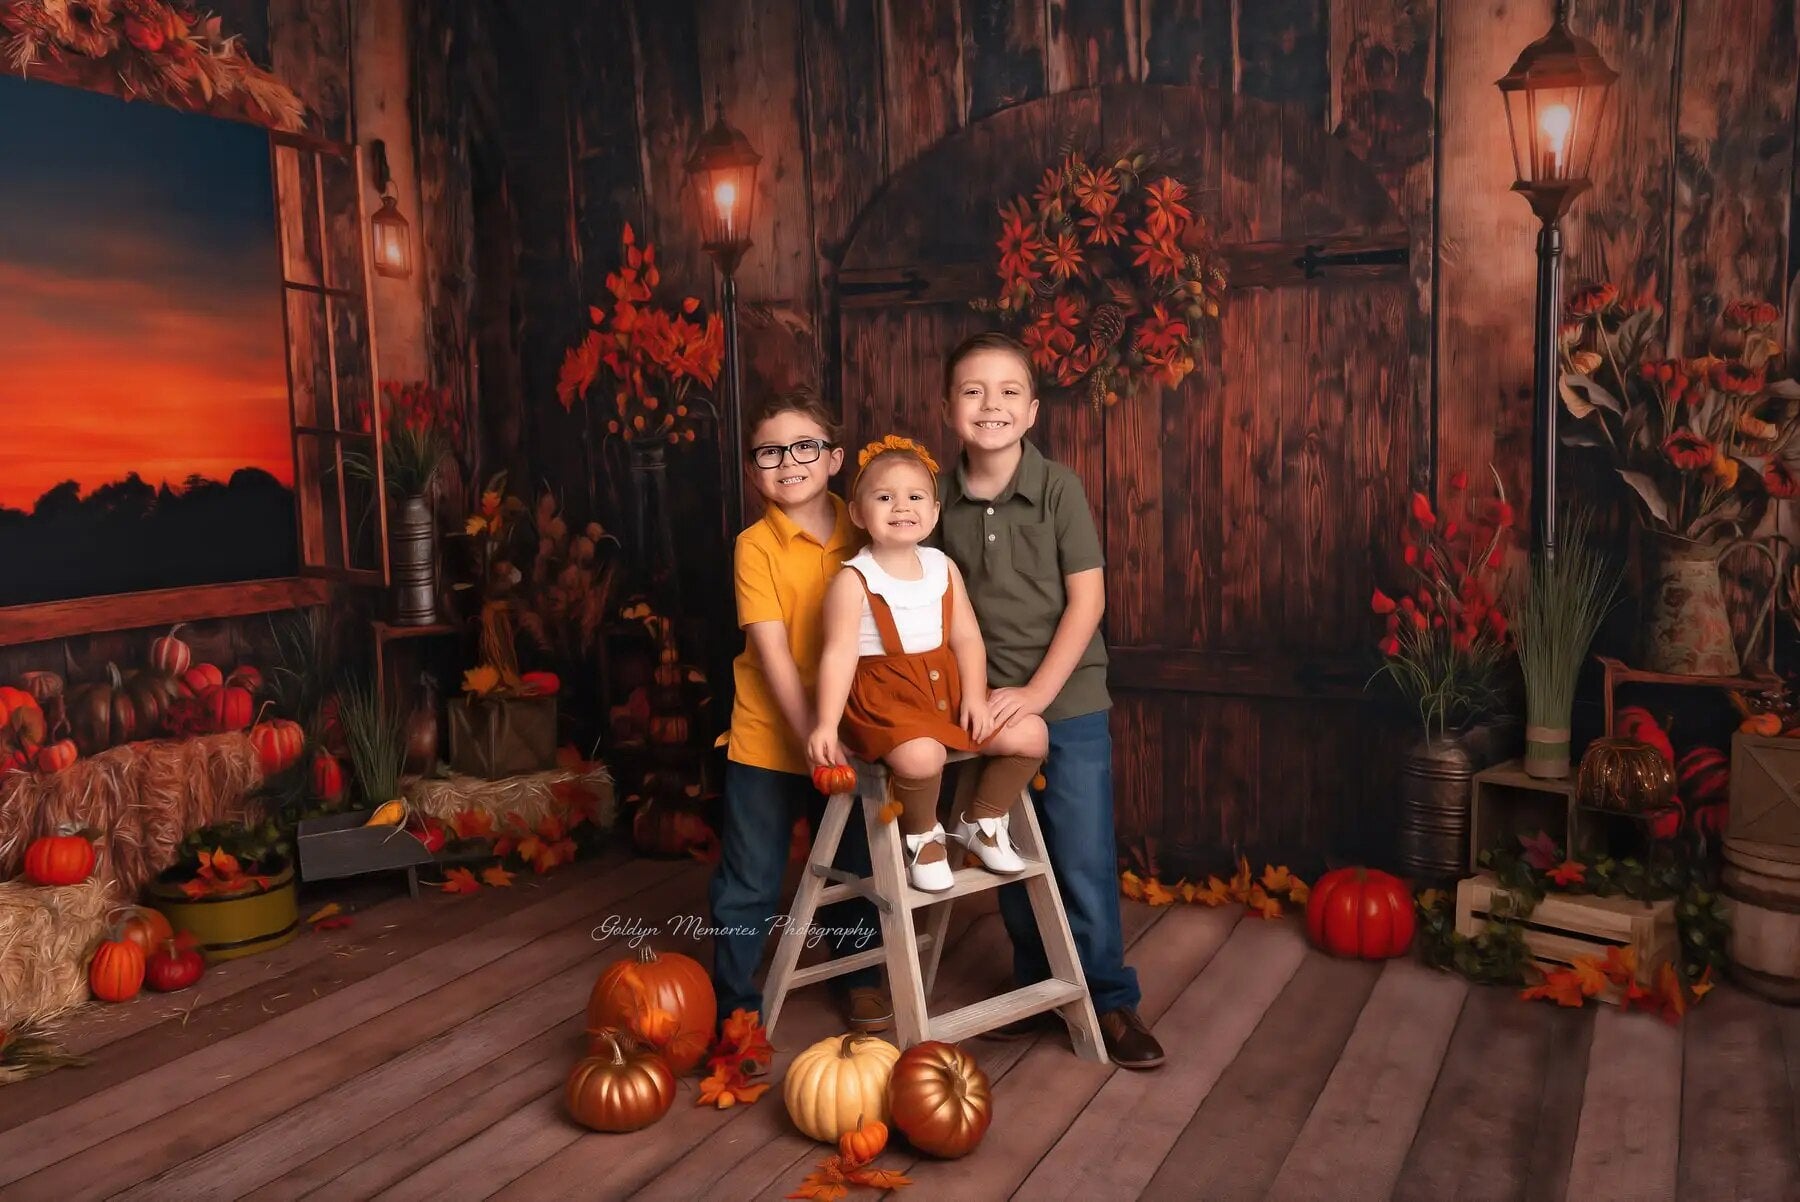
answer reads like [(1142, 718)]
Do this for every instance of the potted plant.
[(1703, 443), (421, 428), (232, 888), (1555, 616), (1445, 645)]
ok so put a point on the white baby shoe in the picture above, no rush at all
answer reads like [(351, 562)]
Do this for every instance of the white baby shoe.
[(1000, 855), (934, 877)]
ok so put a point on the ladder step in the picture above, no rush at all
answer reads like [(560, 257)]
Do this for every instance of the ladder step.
[(832, 894), (825, 970), (971, 880), (985, 1015)]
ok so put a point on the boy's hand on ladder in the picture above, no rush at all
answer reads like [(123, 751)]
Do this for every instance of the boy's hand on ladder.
[(822, 748)]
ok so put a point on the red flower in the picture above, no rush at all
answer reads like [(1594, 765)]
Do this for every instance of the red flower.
[(1389, 646), (1737, 379), (1097, 190), (1063, 257), (1168, 216), (1382, 603), (1781, 481), (1157, 252), (1687, 450), (1747, 314), (1106, 227), (1421, 510), (1595, 298), (1459, 480), (1568, 873)]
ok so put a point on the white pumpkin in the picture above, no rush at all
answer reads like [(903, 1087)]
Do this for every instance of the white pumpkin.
[(837, 1083)]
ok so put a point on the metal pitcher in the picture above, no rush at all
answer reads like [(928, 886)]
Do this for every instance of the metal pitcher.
[(1687, 627)]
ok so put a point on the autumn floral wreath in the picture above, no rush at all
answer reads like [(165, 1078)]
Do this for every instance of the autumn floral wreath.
[(1108, 276), (162, 50)]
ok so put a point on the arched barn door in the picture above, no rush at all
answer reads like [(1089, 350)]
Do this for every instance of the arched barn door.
[(1246, 514)]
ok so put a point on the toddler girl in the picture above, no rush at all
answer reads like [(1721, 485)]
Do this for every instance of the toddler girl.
[(905, 672)]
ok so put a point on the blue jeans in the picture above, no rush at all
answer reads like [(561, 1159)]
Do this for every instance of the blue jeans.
[(1075, 810), (760, 806)]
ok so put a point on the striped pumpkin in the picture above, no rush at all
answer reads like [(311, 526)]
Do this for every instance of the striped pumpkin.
[(1702, 776)]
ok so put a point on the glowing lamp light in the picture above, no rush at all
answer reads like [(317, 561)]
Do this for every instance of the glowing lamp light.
[(391, 241), (1556, 96), (1556, 121), (723, 171)]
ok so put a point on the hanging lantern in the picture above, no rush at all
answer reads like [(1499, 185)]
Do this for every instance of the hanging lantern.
[(391, 238), (1556, 95), (723, 171)]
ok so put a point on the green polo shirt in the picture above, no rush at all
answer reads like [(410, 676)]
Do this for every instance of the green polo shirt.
[(1014, 551)]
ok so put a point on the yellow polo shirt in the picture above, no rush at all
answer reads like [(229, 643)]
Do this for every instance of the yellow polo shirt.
[(781, 574)]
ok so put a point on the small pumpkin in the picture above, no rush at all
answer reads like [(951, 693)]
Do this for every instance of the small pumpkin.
[(169, 654), (1360, 912), (116, 972), (57, 756), (22, 723), (1766, 725), (1636, 722), (64, 859), (278, 744), (1703, 776), (667, 981), (836, 1084), (152, 692), (45, 686), (865, 1143), (834, 778), (428, 831), (625, 1087), (147, 927), (247, 677), (228, 707), (102, 714), (539, 684), (201, 679), (1624, 775), (940, 1099), (327, 777), (174, 965)]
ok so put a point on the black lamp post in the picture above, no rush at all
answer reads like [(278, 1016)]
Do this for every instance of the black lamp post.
[(723, 171), (1555, 94)]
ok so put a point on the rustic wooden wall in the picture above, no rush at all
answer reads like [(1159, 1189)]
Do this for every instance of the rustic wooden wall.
[(596, 110)]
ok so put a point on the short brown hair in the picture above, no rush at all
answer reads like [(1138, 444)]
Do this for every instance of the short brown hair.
[(990, 340), (802, 400)]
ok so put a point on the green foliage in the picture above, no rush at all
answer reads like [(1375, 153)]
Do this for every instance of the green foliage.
[(376, 739), (1496, 956), (1451, 687), (1556, 614), (262, 847)]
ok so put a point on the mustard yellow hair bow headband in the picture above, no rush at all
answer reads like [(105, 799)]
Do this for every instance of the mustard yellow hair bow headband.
[(893, 443)]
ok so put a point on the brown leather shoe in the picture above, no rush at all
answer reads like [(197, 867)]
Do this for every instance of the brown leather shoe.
[(1128, 1040), (868, 1009)]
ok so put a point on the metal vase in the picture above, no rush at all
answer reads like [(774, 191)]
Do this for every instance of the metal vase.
[(1435, 782), (1687, 628), (412, 556)]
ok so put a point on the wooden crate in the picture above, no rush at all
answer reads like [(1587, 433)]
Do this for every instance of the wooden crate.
[(1566, 926), (1506, 803), (1765, 790)]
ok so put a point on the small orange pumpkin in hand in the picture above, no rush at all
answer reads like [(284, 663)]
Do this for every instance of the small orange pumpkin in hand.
[(832, 779), (865, 1143)]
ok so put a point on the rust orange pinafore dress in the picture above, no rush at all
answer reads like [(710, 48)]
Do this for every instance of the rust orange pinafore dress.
[(895, 697)]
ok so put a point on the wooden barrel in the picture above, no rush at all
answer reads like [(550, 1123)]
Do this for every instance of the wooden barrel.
[(229, 927), (1761, 884)]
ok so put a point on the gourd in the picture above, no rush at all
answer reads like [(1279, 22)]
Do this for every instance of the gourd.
[(174, 965), (940, 1099), (836, 1084), (624, 1088), (1360, 912), (864, 1143), (169, 654)]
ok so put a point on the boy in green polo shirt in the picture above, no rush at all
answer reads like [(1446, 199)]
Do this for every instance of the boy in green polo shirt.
[(1019, 528)]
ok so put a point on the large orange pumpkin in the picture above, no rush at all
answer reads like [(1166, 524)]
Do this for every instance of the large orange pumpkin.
[(624, 1088), (651, 981), (59, 860), (116, 972), (939, 1099), (1360, 912)]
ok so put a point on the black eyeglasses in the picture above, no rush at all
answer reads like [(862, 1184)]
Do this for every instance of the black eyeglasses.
[(807, 450)]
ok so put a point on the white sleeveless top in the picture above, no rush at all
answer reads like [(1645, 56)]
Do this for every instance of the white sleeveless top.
[(917, 605)]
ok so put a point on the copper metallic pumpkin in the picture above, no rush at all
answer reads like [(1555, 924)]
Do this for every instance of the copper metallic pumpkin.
[(939, 1099), (1627, 775), (624, 1088)]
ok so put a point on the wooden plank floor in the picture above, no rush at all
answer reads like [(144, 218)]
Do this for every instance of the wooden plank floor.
[(421, 1052)]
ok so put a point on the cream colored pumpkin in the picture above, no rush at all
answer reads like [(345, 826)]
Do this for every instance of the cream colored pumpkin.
[(838, 1083)]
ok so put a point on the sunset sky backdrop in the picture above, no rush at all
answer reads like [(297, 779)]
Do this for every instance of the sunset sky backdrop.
[(140, 298)]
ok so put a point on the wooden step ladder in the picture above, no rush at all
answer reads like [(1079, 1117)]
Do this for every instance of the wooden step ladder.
[(911, 955)]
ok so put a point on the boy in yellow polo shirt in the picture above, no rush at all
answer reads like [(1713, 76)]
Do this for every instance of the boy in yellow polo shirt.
[(783, 564)]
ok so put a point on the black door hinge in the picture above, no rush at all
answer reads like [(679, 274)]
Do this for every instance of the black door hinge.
[(1315, 260)]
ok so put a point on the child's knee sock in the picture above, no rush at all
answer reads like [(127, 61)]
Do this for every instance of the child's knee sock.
[(1002, 778), (918, 798)]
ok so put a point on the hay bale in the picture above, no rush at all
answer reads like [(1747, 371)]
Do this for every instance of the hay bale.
[(46, 937), (532, 796), (143, 798)]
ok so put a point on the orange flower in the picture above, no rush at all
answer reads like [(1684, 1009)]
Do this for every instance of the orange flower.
[(1168, 216), (1019, 242), (1595, 298), (1157, 252), (1063, 257), (1104, 228), (1098, 191), (1568, 873), (1687, 450), (1160, 334), (1737, 379), (1781, 481), (1049, 192)]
